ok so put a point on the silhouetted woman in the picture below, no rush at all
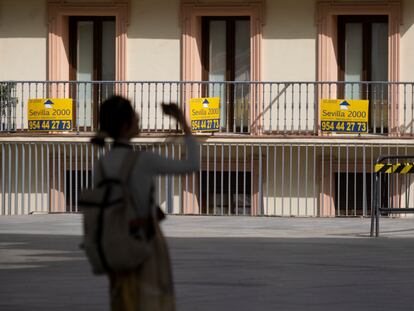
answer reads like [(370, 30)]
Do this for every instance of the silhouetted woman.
[(150, 286)]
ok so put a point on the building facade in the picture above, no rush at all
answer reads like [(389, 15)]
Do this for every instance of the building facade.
[(270, 62)]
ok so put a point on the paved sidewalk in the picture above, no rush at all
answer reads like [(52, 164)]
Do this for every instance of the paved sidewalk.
[(224, 226), (221, 264)]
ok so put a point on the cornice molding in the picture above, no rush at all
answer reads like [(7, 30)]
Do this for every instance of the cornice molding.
[(59, 10), (326, 8), (188, 6)]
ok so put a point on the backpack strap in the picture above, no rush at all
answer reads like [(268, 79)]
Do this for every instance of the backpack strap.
[(128, 165)]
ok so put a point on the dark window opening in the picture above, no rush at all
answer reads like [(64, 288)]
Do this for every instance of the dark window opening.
[(75, 182), (349, 192), (91, 58), (363, 56), (226, 57), (233, 202)]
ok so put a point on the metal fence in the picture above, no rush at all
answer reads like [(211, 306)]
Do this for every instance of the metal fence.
[(245, 107), (238, 178), (8, 101), (385, 164)]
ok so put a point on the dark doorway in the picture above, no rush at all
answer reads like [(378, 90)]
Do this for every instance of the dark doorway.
[(231, 194), (92, 58)]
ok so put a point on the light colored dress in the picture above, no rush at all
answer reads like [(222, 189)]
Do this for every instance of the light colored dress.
[(150, 286)]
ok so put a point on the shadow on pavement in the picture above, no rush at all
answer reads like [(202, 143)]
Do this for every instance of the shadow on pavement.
[(42, 272)]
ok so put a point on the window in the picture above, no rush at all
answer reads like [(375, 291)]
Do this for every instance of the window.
[(92, 58), (59, 14), (349, 195), (226, 57), (327, 16), (194, 56), (226, 193), (363, 56), (92, 48)]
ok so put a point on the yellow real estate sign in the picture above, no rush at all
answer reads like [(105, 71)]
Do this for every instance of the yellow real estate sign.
[(50, 114), (205, 114), (346, 116)]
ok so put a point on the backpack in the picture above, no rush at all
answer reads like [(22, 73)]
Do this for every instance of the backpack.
[(115, 238)]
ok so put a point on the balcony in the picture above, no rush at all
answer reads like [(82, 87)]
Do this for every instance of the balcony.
[(246, 108)]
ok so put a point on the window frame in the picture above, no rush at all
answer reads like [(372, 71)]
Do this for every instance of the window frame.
[(230, 44), (97, 60), (230, 58), (366, 21), (327, 13), (58, 34), (97, 44)]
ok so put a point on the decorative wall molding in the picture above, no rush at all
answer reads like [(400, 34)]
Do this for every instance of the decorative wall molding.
[(59, 12), (191, 13), (326, 14), (326, 20)]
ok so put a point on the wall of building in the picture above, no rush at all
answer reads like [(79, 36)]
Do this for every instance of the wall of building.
[(23, 40), (289, 41), (407, 42), (154, 36)]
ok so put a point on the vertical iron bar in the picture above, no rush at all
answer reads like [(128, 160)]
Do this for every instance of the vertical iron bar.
[(270, 107), (65, 194), (3, 181), (314, 181), (244, 179), (9, 179), (347, 181), (180, 192), (260, 181), (16, 179), (355, 178), (76, 178), (364, 181), (59, 178), (70, 178), (298, 185), (229, 185), (251, 177), (23, 180), (29, 179), (290, 178), (42, 176), (53, 198), (322, 180), (267, 179), (215, 181), (201, 179), (306, 179), (208, 181), (283, 180), (338, 186), (237, 180), (48, 178), (36, 178), (274, 178), (330, 177)]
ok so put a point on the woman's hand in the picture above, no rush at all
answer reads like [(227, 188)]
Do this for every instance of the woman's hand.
[(174, 111)]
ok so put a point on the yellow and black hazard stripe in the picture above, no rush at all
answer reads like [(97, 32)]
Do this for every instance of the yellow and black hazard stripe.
[(396, 168)]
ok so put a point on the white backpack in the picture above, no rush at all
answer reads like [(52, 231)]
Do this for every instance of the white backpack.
[(115, 238)]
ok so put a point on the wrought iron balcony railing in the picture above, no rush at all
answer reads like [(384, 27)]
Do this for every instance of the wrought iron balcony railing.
[(258, 108)]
